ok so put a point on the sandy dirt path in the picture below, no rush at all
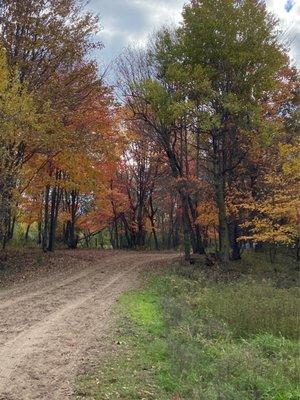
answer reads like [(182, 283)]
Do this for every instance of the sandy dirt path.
[(53, 326)]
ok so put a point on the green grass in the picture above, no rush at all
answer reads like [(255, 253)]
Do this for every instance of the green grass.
[(143, 309), (190, 336), (250, 308)]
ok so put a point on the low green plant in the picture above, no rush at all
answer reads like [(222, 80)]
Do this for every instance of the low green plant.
[(187, 337), (250, 308)]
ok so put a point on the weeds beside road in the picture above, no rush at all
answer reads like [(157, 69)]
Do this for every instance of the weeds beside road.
[(190, 335)]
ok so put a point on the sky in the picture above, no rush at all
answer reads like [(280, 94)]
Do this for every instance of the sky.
[(130, 22)]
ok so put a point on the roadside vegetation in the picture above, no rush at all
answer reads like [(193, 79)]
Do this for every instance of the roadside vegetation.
[(193, 334)]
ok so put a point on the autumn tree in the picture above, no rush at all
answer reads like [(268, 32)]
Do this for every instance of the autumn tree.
[(154, 102), (206, 81), (203, 147), (47, 44), (272, 211), (19, 122)]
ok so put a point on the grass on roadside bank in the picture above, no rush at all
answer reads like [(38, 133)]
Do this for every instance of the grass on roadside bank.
[(190, 336)]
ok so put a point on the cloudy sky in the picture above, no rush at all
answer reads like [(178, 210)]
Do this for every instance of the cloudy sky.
[(126, 22)]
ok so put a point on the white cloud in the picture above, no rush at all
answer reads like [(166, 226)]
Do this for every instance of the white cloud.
[(290, 24), (128, 22)]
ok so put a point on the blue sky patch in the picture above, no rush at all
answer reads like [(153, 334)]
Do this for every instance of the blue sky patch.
[(289, 5)]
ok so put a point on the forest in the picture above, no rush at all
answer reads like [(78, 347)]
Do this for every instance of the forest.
[(149, 208), (195, 146)]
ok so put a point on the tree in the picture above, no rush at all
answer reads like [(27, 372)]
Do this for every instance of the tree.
[(46, 39), (273, 215), (240, 60), (154, 103), (19, 120), (47, 43)]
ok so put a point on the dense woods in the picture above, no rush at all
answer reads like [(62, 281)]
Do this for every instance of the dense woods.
[(195, 147)]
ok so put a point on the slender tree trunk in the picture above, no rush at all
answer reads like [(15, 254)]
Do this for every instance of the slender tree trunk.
[(12, 227), (87, 239), (72, 238), (151, 217), (153, 230), (186, 227), (219, 183), (176, 227), (197, 242), (117, 239), (163, 231), (186, 238), (235, 248), (127, 232), (46, 219), (140, 234), (190, 235), (52, 228), (101, 241), (195, 237), (171, 225), (39, 234), (112, 238), (224, 242), (27, 232)]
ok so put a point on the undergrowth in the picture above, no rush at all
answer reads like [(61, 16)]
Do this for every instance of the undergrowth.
[(189, 336)]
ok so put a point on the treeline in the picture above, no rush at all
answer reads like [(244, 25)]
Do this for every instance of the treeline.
[(218, 99), (202, 151), (57, 137)]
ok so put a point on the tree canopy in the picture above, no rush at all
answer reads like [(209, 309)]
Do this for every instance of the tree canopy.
[(201, 153)]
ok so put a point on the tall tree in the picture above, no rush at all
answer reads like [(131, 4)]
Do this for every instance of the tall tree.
[(47, 44), (154, 102), (19, 121), (215, 75)]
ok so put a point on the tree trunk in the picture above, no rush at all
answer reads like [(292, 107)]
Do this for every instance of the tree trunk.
[(127, 232), (27, 232), (175, 232), (117, 240), (190, 236), (235, 248), (39, 234), (46, 219), (197, 242), (224, 242), (151, 217), (72, 238), (186, 227), (52, 227), (12, 227), (171, 225)]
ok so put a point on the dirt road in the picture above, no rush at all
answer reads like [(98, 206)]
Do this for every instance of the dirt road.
[(53, 325)]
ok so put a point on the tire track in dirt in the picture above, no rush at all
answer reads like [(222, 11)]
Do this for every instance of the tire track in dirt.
[(47, 336), (27, 310), (3, 304), (14, 350)]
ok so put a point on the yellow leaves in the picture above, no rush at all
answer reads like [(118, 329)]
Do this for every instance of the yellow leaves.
[(276, 215), (237, 200), (268, 231), (208, 214), (3, 71), (291, 158), (22, 119)]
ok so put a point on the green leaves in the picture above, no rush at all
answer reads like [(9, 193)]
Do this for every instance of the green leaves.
[(167, 105)]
